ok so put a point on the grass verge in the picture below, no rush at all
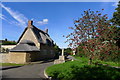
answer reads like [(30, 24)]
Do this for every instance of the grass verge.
[(110, 63), (10, 64), (75, 70), (80, 70)]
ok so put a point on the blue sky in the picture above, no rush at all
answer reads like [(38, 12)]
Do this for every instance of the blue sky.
[(56, 16)]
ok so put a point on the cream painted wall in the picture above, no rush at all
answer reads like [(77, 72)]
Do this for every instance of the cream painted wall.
[(29, 35), (8, 46)]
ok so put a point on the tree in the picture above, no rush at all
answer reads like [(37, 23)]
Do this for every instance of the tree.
[(68, 51), (57, 51), (116, 20), (6, 39), (96, 32), (116, 15), (6, 42)]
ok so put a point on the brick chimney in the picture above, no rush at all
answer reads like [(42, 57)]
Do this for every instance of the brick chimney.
[(30, 23), (46, 30)]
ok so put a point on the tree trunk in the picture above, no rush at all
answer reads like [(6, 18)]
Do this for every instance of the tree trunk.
[(90, 61)]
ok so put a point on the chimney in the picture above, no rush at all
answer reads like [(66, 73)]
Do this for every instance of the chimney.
[(30, 23), (46, 30)]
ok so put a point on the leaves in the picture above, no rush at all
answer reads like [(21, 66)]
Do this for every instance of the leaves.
[(95, 32), (116, 16)]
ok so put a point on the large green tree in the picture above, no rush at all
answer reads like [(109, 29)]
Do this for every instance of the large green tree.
[(116, 15)]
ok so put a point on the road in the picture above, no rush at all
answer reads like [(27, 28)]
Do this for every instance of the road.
[(27, 72)]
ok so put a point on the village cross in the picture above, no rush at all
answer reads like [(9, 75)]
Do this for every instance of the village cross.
[(62, 51)]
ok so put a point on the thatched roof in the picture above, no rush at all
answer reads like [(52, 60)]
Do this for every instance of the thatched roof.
[(42, 36), (25, 46)]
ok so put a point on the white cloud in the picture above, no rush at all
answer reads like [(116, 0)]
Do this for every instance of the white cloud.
[(20, 18), (115, 4), (44, 21), (2, 17), (32, 19)]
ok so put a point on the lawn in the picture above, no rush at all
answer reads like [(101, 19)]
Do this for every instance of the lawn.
[(10, 64), (110, 63), (80, 70)]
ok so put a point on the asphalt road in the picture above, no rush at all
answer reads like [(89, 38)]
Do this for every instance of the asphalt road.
[(27, 72)]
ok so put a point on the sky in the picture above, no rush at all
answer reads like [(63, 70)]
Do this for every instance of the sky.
[(56, 16)]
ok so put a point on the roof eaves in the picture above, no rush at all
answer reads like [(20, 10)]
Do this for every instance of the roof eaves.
[(22, 34)]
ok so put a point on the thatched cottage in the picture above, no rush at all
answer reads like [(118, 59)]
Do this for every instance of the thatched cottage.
[(33, 44)]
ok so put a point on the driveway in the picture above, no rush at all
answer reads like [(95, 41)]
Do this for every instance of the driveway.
[(33, 71)]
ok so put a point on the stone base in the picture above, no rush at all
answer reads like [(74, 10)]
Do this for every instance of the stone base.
[(61, 57), (59, 61)]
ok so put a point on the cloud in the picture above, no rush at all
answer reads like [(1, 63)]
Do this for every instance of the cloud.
[(44, 21), (115, 4), (2, 17), (20, 18)]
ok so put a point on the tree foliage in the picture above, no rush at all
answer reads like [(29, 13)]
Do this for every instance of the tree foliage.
[(116, 20), (57, 51), (68, 51), (9, 43), (116, 15), (95, 34)]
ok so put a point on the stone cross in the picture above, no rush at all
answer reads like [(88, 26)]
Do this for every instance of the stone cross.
[(63, 52)]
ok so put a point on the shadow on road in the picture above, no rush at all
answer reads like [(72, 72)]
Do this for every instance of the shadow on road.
[(5, 68), (41, 61), (46, 61), (4, 77), (24, 79)]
